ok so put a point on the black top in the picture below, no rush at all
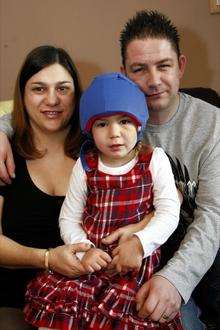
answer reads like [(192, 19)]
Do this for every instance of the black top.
[(30, 217)]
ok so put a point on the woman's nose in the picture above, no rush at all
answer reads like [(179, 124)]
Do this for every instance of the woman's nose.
[(52, 97)]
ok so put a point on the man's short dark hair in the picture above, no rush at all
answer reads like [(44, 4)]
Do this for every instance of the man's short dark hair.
[(148, 24)]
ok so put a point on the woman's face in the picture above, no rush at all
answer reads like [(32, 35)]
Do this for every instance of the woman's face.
[(49, 99)]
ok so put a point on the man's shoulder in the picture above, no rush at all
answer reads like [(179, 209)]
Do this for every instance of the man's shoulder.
[(197, 102), (200, 109)]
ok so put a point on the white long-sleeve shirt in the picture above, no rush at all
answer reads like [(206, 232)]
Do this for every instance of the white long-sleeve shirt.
[(166, 203)]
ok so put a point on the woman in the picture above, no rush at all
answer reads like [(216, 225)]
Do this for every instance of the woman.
[(45, 145)]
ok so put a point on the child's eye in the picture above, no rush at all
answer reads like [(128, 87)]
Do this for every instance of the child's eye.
[(100, 124), (125, 121)]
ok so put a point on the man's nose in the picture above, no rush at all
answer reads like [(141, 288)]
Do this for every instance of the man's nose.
[(153, 78)]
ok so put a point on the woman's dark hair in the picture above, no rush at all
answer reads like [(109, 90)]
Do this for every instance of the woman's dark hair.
[(38, 59)]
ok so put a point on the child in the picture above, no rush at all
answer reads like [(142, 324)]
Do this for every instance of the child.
[(115, 182)]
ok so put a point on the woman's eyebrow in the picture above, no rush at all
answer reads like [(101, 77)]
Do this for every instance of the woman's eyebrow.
[(57, 82)]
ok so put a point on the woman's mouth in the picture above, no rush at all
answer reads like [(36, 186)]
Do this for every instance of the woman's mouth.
[(52, 114)]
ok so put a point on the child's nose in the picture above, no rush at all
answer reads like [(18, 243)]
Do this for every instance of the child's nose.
[(114, 130)]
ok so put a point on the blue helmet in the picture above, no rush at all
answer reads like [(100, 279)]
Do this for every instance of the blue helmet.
[(110, 94)]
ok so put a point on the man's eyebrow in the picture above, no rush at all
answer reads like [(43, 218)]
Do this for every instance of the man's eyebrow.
[(137, 64), (143, 64), (168, 59)]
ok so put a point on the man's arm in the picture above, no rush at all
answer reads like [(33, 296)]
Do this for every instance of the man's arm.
[(199, 247), (5, 125), (201, 242), (7, 166)]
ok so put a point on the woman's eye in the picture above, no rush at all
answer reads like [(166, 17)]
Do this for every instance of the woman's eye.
[(38, 89), (63, 89)]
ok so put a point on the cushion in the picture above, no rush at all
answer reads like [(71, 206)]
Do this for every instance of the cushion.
[(5, 107)]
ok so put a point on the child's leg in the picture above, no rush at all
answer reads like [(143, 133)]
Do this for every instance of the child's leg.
[(46, 328)]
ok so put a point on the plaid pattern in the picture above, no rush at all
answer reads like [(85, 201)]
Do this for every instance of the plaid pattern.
[(116, 201), (101, 300)]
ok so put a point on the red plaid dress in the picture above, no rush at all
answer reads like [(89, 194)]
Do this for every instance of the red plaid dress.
[(101, 300)]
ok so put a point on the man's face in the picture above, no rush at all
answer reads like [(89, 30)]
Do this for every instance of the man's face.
[(154, 66)]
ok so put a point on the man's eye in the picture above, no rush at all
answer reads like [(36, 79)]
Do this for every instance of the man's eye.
[(136, 70), (164, 66)]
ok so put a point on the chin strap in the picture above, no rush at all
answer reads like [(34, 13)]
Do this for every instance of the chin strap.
[(86, 146)]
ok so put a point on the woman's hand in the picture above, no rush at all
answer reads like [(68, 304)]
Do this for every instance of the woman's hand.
[(95, 259), (63, 260), (124, 233)]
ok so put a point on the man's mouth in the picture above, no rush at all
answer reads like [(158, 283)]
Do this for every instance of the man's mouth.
[(155, 94)]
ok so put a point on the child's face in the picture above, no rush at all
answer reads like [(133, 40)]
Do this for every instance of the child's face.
[(115, 137)]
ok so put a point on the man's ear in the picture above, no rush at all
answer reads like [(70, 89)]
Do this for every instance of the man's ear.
[(122, 69), (182, 65)]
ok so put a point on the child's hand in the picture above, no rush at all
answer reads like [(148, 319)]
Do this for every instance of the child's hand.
[(126, 232), (127, 256), (95, 259)]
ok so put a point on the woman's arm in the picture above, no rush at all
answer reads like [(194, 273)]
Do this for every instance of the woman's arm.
[(62, 259), (16, 255), (13, 254)]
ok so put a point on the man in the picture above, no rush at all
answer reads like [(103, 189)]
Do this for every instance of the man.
[(188, 129)]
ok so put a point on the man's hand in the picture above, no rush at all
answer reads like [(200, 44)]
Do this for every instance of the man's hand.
[(63, 260), (158, 299), (7, 166), (127, 256), (95, 259)]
